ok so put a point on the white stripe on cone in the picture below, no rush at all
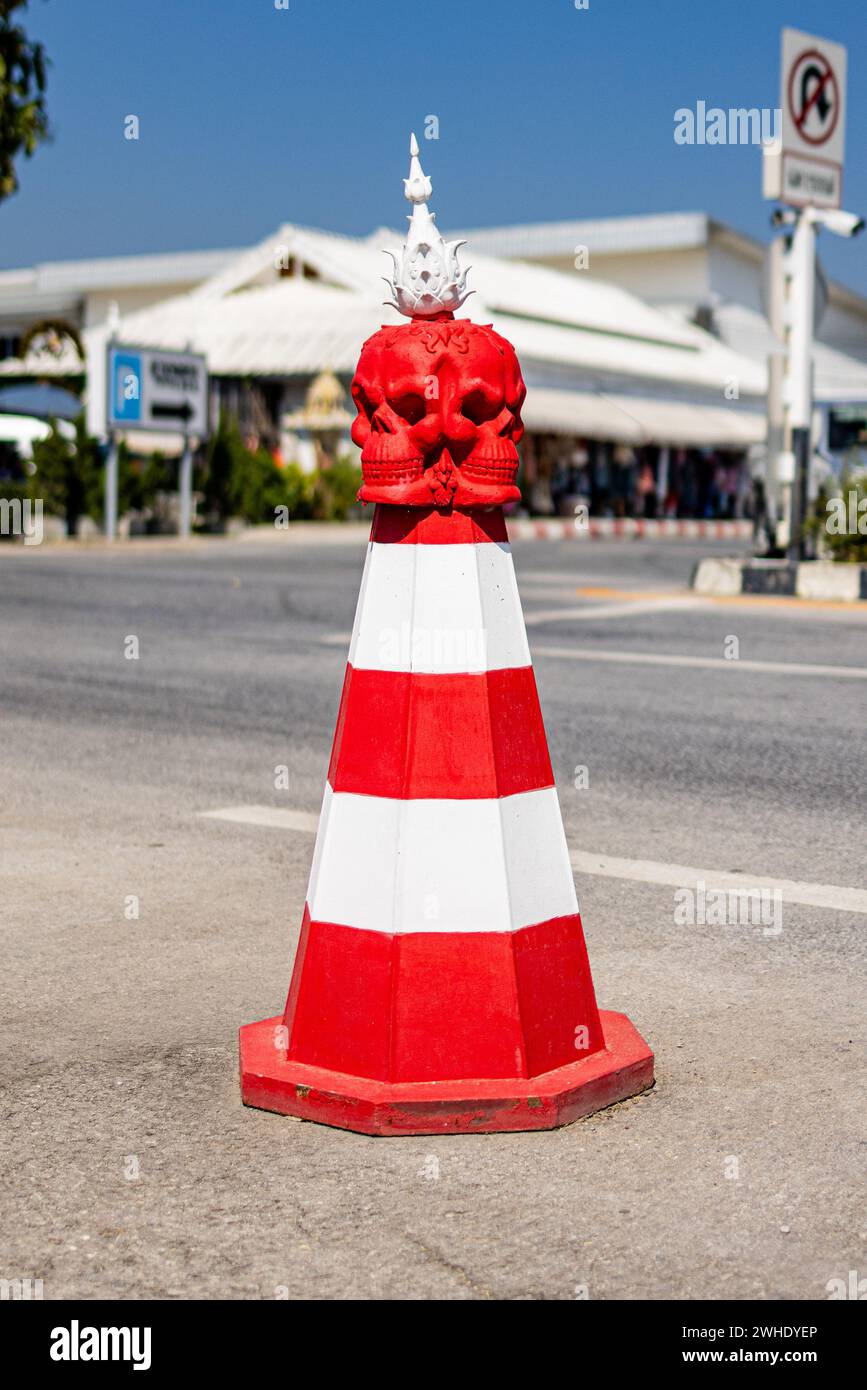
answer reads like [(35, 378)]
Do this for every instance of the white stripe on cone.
[(438, 609), (438, 866)]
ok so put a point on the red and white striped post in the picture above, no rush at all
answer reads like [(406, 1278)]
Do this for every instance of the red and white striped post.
[(441, 981)]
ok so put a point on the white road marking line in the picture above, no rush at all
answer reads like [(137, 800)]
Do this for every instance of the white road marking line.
[(826, 895), (682, 875), (716, 663), (779, 668), (609, 610), (271, 816)]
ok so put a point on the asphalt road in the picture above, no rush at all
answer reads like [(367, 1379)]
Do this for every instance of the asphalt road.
[(130, 1167)]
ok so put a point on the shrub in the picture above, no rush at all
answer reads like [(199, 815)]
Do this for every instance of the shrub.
[(335, 490), (258, 487), (297, 492), (831, 523), (68, 475), (224, 462), (238, 482), (55, 478), (13, 490)]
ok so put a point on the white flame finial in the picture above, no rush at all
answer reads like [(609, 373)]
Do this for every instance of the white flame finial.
[(427, 278)]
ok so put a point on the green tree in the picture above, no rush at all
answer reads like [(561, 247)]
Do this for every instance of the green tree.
[(68, 475), (258, 487), (23, 118), (224, 460), (55, 479), (90, 471)]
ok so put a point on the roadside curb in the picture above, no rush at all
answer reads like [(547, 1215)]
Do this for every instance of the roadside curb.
[(357, 532), (626, 528), (810, 579)]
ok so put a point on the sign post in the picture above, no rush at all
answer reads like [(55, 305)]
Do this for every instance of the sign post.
[(186, 488), (806, 171), (156, 391), (800, 394), (111, 488)]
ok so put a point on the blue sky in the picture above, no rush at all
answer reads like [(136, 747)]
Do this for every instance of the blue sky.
[(250, 116)]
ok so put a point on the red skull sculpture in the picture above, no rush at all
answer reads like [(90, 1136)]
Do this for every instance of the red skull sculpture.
[(439, 399), (439, 414)]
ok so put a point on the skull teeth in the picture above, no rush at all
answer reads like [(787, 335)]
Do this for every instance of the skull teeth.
[(496, 470), (392, 470)]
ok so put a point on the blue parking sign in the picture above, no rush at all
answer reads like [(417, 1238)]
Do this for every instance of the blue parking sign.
[(125, 388)]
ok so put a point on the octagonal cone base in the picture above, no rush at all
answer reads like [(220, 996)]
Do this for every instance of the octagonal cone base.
[(269, 1082)]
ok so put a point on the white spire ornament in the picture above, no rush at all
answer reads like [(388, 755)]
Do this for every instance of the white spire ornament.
[(427, 278)]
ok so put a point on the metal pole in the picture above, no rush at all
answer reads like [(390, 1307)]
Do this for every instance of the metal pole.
[(111, 488), (186, 489), (803, 262), (775, 482), (662, 478)]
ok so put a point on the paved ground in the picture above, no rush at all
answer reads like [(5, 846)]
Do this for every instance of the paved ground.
[(130, 1167)]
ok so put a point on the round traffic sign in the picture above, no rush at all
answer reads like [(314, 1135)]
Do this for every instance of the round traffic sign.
[(814, 97)]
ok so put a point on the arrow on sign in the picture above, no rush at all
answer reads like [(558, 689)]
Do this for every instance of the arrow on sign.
[(170, 410), (818, 99)]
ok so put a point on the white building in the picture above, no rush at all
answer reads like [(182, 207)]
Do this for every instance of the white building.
[(619, 389), (699, 270)]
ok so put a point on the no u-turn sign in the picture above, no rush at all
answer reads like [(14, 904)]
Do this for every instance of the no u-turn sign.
[(813, 101)]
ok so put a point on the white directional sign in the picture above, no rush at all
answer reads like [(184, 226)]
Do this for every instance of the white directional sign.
[(813, 103), (153, 390)]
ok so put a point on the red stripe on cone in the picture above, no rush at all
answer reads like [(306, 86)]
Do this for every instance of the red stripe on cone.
[(406, 735), (429, 526), (427, 1006)]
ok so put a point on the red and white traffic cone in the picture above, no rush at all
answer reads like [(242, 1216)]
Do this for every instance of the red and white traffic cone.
[(441, 981)]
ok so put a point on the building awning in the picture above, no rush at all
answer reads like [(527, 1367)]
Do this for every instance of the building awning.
[(585, 413), (698, 426), (640, 420)]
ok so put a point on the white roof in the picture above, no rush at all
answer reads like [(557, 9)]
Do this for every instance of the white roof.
[(707, 365), (248, 319), (55, 284), (290, 327), (666, 231), (837, 377), (656, 232)]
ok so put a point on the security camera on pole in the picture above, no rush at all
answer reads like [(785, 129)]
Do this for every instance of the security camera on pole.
[(805, 170)]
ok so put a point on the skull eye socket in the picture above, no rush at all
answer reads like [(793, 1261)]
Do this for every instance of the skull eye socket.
[(410, 407), (477, 408), (363, 401)]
